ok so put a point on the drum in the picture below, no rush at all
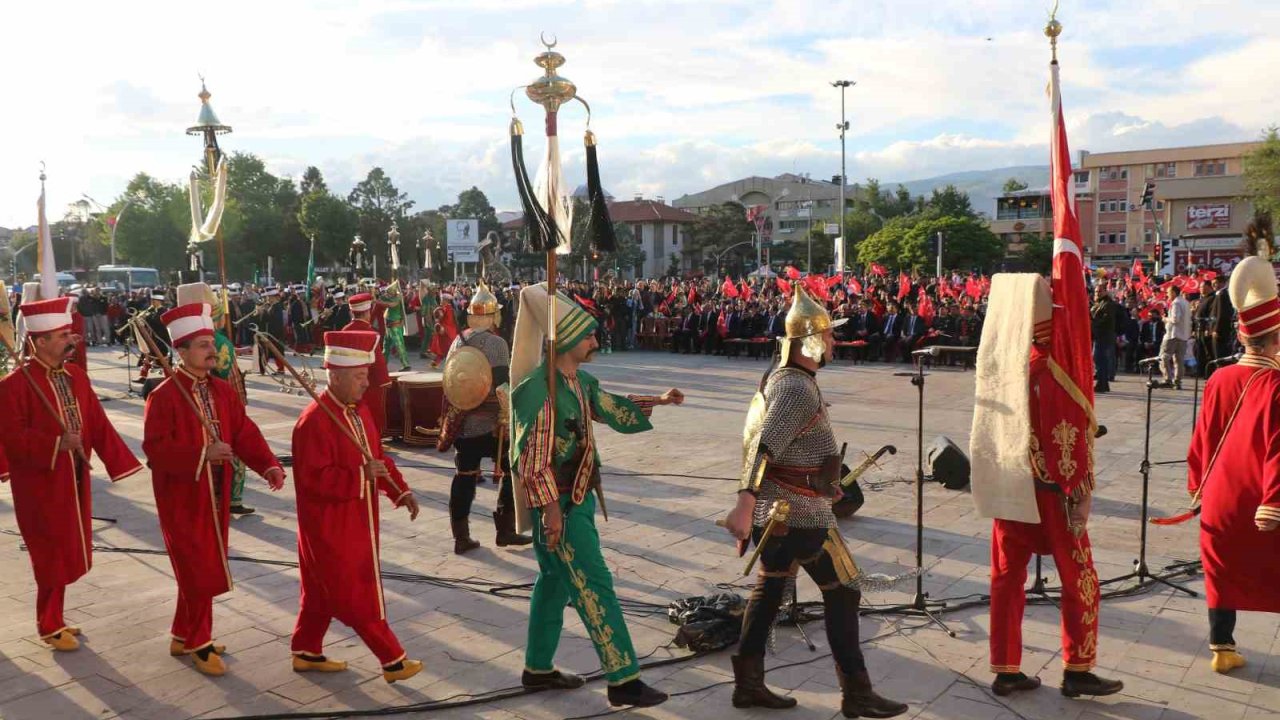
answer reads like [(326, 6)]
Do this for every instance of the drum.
[(415, 403)]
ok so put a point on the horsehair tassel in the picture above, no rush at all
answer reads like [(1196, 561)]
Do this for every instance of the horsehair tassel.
[(599, 225), (541, 232)]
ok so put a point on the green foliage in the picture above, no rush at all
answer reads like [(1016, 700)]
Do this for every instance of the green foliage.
[(153, 231), (1262, 174), (1013, 184), (378, 204), (904, 243), (1037, 255), (332, 222), (949, 201), (718, 229), (312, 181)]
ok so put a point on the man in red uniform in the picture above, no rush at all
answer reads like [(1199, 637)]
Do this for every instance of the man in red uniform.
[(51, 425), (361, 305), (341, 469), (192, 473), (1027, 477), (1234, 463)]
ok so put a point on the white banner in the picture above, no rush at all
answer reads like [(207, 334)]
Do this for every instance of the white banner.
[(462, 235)]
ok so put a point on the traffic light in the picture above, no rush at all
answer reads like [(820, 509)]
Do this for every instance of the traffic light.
[(1164, 256), (1148, 193), (932, 244)]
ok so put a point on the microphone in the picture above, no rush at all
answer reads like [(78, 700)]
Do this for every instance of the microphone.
[(931, 351), (1149, 361), (1226, 360)]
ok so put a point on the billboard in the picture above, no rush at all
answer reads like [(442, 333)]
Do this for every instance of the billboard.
[(1212, 216), (462, 235)]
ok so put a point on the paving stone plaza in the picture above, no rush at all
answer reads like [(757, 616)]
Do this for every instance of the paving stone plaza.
[(665, 489)]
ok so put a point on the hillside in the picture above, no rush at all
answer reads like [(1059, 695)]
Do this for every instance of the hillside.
[(982, 186)]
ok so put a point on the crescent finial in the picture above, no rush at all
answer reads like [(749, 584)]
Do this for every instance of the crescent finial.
[(554, 40)]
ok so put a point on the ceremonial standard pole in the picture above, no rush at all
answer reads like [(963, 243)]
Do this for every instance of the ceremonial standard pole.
[(210, 127), (844, 179)]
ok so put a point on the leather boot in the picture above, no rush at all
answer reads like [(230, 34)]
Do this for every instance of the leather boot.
[(859, 700), (749, 689), (462, 541), (1075, 684), (505, 522)]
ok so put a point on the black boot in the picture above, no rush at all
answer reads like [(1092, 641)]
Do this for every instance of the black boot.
[(1075, 684), (505, 522), (462, 541), (636, 694), (554, 680), (1009, 683), (859, 700), (748, 685)]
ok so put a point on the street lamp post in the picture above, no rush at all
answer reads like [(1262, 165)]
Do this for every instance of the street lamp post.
[(725, 251), (843, 127), (116, 223)]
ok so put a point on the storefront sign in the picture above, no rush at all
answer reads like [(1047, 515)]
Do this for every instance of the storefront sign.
[(1209, 217)]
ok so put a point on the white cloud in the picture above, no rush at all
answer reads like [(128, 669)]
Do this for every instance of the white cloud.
[(685, 94)]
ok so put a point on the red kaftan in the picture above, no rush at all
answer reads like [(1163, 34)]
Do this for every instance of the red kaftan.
[(1241, 563), (338, 514), (195, 511), (51, 494), (379, 379)]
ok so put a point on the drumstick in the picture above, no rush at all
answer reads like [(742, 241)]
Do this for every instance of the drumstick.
[(346, 430)]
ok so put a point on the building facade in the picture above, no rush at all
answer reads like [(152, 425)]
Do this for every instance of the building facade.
[(1197, 203), (787, 206)]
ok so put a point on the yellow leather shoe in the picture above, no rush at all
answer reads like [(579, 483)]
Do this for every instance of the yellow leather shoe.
[(177, 649), (213, 666), (301, 664), (73, 630), (408, 668), (63, 641), (1224, 661)]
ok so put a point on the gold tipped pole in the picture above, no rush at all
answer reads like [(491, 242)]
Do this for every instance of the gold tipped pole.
[(144, 332), (1052, 30)]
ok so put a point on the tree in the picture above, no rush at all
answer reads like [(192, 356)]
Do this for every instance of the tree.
[(885, 245), (904, 243), (261, 221), (474, 204), (154, 231), (951, 202), (859, 224), (1037, 254), (312, 181), (378, 204), (332, 222), (1262, 174), (1013, 185), (718, 229)]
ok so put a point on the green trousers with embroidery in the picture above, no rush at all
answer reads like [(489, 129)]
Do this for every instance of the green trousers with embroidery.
[(237, 482), (394, 344), (576, 572)]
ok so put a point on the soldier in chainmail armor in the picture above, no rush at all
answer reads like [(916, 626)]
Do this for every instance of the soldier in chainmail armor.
[(475, 433), (791, 456)]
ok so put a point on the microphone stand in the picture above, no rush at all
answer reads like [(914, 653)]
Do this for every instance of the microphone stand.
[(920, 603), (1141, 572)]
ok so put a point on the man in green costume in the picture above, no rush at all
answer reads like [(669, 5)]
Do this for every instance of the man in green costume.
[(427, 303), (226, 369), (557, 466), (393, 344)]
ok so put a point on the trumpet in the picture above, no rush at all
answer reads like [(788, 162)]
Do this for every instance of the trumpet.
[(257, 310), (322, 318)]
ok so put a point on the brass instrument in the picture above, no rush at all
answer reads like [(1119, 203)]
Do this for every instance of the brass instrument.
[(257, 310), (300, 379), (322, 318)]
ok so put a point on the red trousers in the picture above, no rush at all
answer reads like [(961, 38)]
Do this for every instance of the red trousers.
[(1012, 544), (308, 635), (49, 602), (193, 621)]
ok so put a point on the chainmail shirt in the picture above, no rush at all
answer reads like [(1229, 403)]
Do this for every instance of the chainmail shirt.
[(796, 432), (482, 421)]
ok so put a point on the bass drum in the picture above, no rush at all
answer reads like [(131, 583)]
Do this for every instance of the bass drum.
[(415, 403)]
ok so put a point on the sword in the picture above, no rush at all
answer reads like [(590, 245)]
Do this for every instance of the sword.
[(777, 514), (867, 464)]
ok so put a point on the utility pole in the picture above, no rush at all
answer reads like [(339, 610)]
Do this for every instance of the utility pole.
[(939, 266), (843, 127)]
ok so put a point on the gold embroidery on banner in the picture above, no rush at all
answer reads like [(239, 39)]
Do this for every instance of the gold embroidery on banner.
[(1039, 467), (1064, 436), (611, 658), (562, 447)]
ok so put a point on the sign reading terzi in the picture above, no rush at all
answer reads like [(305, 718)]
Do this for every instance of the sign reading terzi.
[(462, 236), (1208, 217)]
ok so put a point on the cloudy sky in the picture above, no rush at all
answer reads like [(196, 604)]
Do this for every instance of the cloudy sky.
[(685, 94)]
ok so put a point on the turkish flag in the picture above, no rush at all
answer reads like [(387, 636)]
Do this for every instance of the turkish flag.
[(784, 286), (728, 289), (1066, 405), (746, 291), (924, 306), (904, 286), (855, 287), (793, 273), (835, 280), (878, 269)]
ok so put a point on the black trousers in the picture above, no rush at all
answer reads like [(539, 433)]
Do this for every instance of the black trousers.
[(781, 558), (1222, 627), (466, 460)]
